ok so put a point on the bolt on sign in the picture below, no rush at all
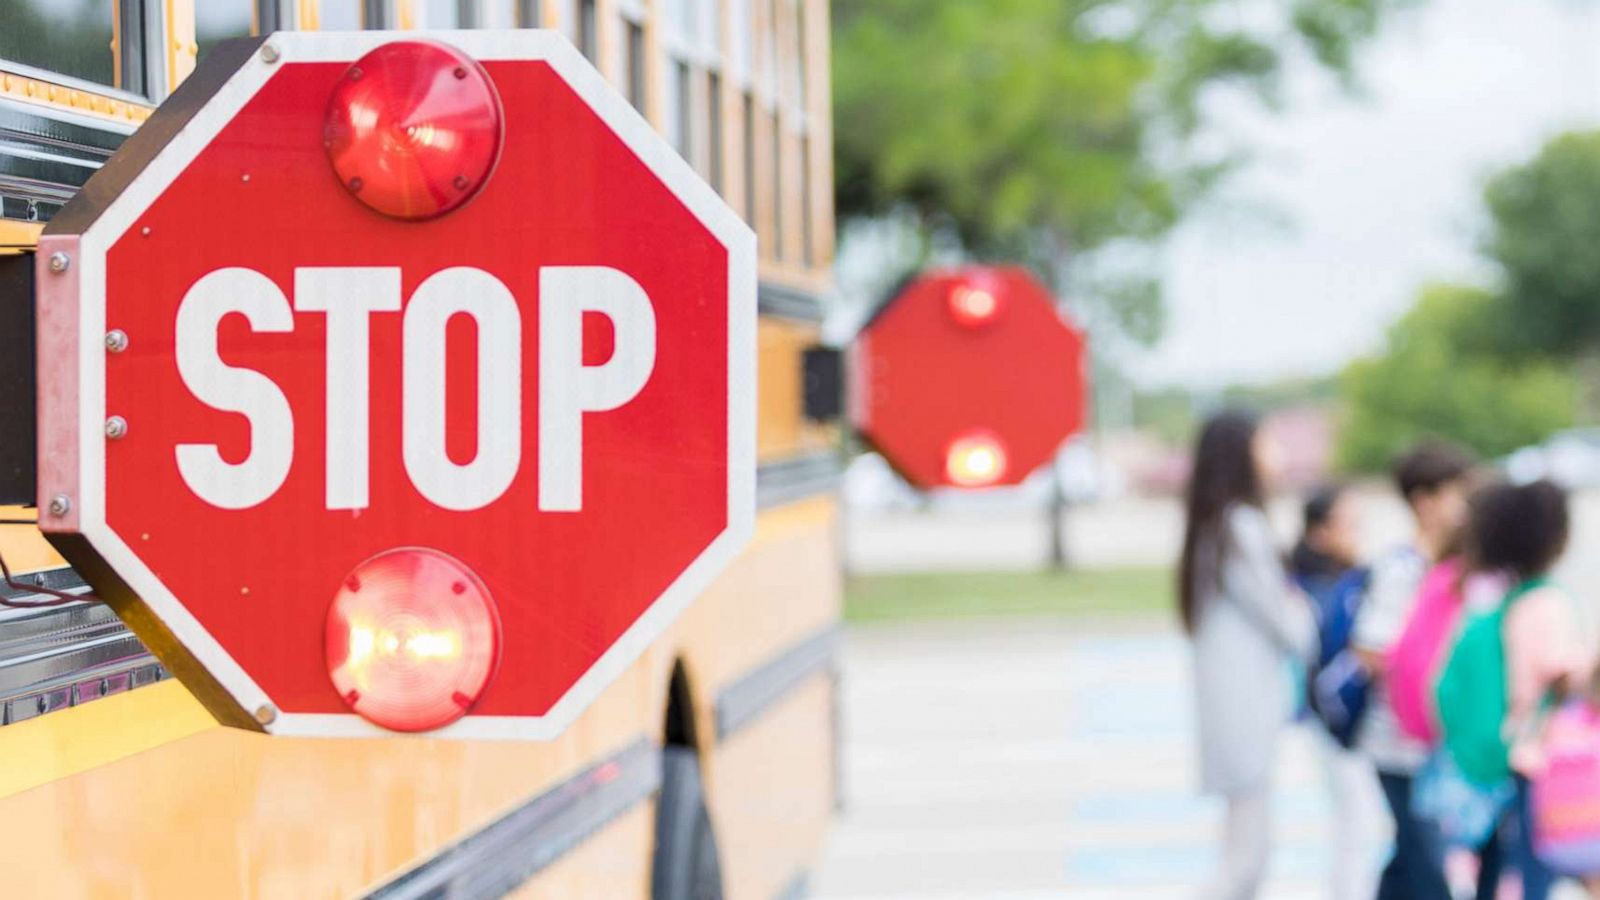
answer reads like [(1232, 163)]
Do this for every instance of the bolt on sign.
[(969, 378), (397, 385)]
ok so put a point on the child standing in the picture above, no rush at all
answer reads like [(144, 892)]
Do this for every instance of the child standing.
[(1549, 648), (1434, 480), (1245, 623), (1322, 562)]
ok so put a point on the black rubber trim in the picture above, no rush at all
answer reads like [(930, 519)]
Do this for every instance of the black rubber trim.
[(142, 147), (798, 477), (746, 699), (788, 303), (503, 855)]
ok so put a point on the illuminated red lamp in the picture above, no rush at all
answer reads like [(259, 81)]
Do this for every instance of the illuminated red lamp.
[(975, 459), (974, 304), (413, 129), (412, 639)]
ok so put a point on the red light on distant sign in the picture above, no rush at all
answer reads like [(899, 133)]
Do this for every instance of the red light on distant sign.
[(413, 129), (412, 639), (974, 305), (975, 459)]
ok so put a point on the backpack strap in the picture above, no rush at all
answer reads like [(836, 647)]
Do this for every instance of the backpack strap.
[(1524, 588)]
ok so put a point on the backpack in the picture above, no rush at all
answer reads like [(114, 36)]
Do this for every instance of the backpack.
[(1565, 796), (1337, 684), (1471, 694), (1415, 658)]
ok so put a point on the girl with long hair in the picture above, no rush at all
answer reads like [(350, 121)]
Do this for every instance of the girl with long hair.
[(1246, 622)]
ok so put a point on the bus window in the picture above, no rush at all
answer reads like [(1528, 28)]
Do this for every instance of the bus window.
[(340, 15), (219, 20), (801, 44), (588, 30), (749, 122), (633, 64), (681, 16), (740, 57), (444, 14), (510, 14), (776, 133), (567, 19), (808, 250), (680, 119), (69, 37), (714, 140)]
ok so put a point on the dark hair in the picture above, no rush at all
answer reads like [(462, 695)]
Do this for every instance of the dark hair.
[(1428, 466), (1319, 506), (1224, 474), (1520, 529)]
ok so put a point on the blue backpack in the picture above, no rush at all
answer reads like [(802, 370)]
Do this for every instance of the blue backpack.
[(1337, 685)]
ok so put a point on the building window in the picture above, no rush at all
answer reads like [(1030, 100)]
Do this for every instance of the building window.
[(714, 123)]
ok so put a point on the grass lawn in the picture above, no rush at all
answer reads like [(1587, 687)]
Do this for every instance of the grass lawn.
[(954, 595)]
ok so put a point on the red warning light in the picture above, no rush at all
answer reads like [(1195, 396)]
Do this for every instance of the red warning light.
[(975, 459), (412, 639), (413, 129), (974, 304)]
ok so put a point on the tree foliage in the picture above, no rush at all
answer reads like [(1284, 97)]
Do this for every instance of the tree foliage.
[(1043, 130), (1545, 228), (1434, 378)]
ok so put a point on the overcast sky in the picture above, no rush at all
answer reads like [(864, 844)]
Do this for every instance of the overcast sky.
[(1373, 194)]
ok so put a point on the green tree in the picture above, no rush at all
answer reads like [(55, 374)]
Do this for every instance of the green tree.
[(1049, 131), (1433, 379), (1545, 228)]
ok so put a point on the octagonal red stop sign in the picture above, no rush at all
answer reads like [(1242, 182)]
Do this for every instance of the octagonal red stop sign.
[(516, 437), (968, 378)]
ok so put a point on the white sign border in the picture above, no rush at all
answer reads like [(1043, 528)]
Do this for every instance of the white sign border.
[(651, 149)]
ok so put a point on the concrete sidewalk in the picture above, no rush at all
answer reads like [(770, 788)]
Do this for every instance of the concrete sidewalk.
[(1020, 760)]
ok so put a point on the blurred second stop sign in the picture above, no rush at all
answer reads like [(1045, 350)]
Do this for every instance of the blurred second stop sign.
[(969, 378)]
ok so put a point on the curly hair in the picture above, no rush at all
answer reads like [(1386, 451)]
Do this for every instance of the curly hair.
[(1521, 529)]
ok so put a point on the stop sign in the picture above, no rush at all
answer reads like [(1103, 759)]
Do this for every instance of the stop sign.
[(397, 384), (968, 378)]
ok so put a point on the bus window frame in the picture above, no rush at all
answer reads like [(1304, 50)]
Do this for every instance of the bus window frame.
[(129, 58)]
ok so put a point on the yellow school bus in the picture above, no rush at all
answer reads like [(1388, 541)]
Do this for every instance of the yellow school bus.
[(706, 770)]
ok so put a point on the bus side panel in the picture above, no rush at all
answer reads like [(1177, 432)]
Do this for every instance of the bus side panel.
[(225, 813), (770, 781), (773, 794), (613, 865)]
